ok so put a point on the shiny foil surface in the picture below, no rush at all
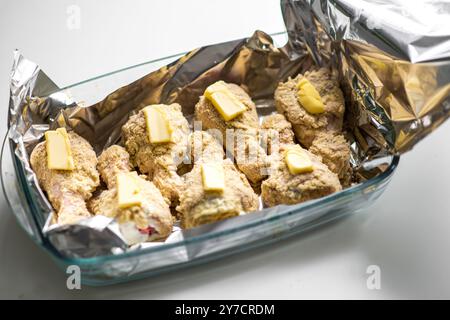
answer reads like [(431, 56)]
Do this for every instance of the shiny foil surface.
[(393, 62)]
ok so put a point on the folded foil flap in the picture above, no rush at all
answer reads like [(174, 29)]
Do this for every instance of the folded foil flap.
[(394, 62)]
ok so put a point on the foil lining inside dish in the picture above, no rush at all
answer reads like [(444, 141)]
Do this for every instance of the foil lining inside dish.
[(396, 84)]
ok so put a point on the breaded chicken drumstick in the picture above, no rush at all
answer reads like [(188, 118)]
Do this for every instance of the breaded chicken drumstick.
[(161, 159), (146, 220), (68, 189), (296, 174), (214, 190), (229, 109)]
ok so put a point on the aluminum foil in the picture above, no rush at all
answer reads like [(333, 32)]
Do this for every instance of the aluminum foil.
[(394, 67), (394, 60)]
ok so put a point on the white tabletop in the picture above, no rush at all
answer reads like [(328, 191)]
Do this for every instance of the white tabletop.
[(406, 233)]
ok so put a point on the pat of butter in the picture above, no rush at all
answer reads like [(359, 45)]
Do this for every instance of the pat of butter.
[(224, 101), (158, 126), (298, 161), (59, 154), (309, 97), (128, 190), (213, 177)]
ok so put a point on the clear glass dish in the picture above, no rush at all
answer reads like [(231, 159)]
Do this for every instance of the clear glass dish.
[(194, 247)]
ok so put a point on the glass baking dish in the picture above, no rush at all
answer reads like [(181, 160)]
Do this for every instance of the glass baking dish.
[(198, 245)]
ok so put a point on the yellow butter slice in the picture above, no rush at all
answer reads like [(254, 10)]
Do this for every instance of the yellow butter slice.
[(309, 97), (128, 190), (158, 127), (59, 154), (298, 161), (224, 101), (213, 177)]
